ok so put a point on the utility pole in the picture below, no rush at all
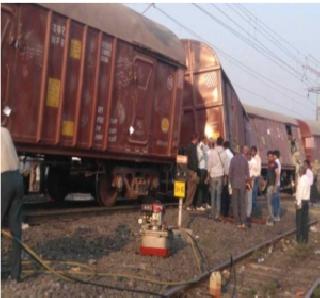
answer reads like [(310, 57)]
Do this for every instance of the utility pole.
[(311, 69), (316, 90)]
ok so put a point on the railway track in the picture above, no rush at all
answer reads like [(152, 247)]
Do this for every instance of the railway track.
[(37, 216), (262, 269)]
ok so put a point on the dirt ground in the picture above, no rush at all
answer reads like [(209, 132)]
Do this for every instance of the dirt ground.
[(109, 244), (286, 269)]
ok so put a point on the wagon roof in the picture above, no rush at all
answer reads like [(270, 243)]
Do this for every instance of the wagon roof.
[(314, 127), (209, 54), (267, 114), (122, 22)]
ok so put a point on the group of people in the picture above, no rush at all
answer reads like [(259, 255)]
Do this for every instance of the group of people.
[(215, 174), (216, 177)]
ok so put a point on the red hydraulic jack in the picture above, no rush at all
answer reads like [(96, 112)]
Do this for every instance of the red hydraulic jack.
[(155, 236)]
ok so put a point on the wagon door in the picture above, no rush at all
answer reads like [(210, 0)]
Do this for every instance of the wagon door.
[(8, 23), (24, 87), (132, 99), (141, 107)]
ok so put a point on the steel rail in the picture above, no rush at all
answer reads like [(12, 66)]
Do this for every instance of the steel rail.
[(35, 216), (313, 287), (225, 264)]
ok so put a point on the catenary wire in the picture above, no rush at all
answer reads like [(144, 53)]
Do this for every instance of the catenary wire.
[(147, 8), (277, 39), (258, 47), (238, 25), (251, 36), (234, 60)]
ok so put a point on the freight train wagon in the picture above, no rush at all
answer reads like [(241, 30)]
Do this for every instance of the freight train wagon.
[(273, 131), (211, 106), (94, 91), (310, 133)]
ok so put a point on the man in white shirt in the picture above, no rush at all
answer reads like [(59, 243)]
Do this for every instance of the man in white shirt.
[(276, 197), (251, 164), (256, 173), (11, 197), (216, 169), (302, 204), (202, 153), (309, 172), (225, 194)]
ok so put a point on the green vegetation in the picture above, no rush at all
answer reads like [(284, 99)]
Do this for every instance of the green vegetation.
[(316, 292)]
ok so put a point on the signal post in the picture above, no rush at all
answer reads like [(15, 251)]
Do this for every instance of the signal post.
[(179, 185)]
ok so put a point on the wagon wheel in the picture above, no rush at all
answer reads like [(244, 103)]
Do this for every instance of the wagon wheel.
[(57, 184), (106, 194)]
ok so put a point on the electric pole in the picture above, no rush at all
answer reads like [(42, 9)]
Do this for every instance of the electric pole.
[(315, 90)]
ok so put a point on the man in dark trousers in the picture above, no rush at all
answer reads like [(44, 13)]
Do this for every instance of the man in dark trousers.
[(225, 195), (11, 197), (302, 206), (192, 177), (273, 176), (238, 176)]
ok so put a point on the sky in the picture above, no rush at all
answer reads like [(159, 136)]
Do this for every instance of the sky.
[(294, 30)]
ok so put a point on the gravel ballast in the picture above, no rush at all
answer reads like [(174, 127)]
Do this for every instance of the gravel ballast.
[(110, 244)]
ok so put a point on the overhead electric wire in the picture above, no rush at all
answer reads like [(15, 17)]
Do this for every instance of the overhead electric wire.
[(265, 27), (255, 23), (251, 36), (266, 99), (276, 38), (236, 62), (284, 51), (147, 8), (314, 59), (262, 49)]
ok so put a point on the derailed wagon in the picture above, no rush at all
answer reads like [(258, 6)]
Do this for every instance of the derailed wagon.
[(211, 107), (94, 81), (273, 131), (310, 133)]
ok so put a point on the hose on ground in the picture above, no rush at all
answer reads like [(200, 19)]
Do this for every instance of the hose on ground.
[(67, 276)]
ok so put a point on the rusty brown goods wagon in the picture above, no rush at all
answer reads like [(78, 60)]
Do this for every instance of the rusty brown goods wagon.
[(310, 132), (92, 80), (210, 104), (273, 131)]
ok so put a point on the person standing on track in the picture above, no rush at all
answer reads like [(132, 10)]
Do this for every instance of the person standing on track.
[(239, 175), (249, 186), (192, 177), (302, 206), (309, 172), (202, 152), (256, 173), (216, 168), (272, 178), (276, 196), (225, 195), (11, 198)]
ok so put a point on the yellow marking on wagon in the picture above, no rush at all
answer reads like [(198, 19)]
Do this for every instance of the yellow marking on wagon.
[(67, 128), (165, 125), (75, 49), (53, 96)]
